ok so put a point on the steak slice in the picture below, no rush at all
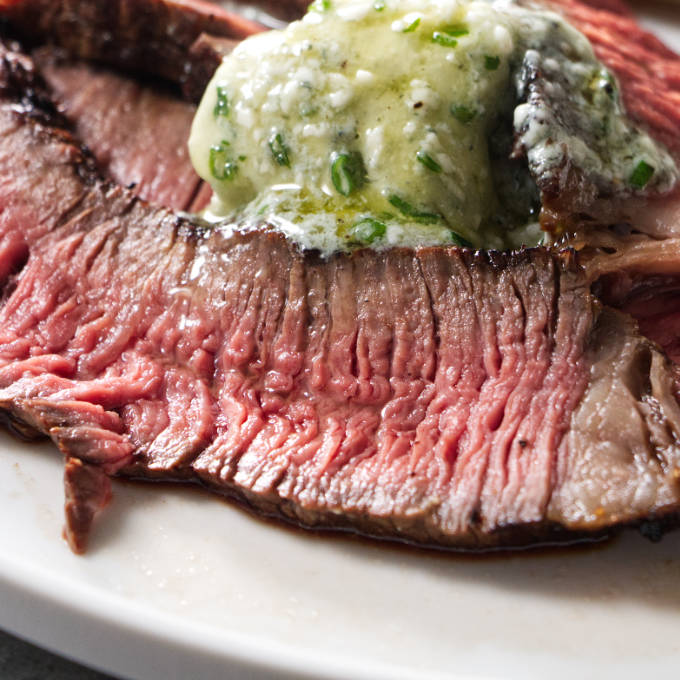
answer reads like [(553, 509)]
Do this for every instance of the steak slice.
[(439, 396), (152, 37), (138, 132)]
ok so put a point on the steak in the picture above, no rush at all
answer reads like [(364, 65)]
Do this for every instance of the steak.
[(137, 132), (440, 396), (151, 37)]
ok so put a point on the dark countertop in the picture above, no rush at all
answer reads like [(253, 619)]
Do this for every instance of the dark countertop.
[(20, 660)]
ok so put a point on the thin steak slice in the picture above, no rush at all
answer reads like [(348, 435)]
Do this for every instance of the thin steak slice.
[(439, 396), (152, 37), (138, 132)]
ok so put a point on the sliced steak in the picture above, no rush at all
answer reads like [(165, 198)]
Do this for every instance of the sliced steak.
[(138, 132), (439, 396), (152, 37)]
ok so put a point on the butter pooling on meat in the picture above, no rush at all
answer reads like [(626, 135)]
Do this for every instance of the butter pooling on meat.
[(419, 123)]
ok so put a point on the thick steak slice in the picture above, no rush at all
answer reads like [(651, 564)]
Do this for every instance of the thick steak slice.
[(438, 396)]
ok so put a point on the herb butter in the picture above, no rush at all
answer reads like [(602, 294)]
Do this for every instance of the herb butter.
[(410, 122)]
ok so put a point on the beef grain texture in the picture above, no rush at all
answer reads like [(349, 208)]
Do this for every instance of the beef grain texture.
[(438, 396)]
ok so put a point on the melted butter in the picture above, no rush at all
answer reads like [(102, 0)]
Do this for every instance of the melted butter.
[(392, 123)]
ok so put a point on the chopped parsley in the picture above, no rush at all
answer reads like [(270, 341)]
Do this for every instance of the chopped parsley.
[(458, 240), (412, 26), (444, 39), (456, 30)]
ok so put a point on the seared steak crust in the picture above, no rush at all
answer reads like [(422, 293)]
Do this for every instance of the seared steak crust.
[(434, 396), (152, 37)]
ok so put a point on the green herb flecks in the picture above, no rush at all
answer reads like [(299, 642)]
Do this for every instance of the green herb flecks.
[(491, 63), (367, 231), (641, 175), (320, 5), (463, 114), (456, 30), (279, 149), (405, 208), (347, 172), (444, 39), (412, 26), (379, 5), (458, 240), (222, 166), (221, 109), (430, 163)]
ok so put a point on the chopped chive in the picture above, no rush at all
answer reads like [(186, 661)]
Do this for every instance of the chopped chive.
[(412, 26), (279, 149), (367, 230), (429, 162), (491, 63), (222, 167), (379, 5), (456, 30), (321, 5), (222, 105), (407, 209), (641, 175), (462, 114), (458, 240), (444, 39), (347, 172)]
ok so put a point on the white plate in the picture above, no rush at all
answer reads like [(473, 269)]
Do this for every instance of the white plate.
[(178, 584)]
